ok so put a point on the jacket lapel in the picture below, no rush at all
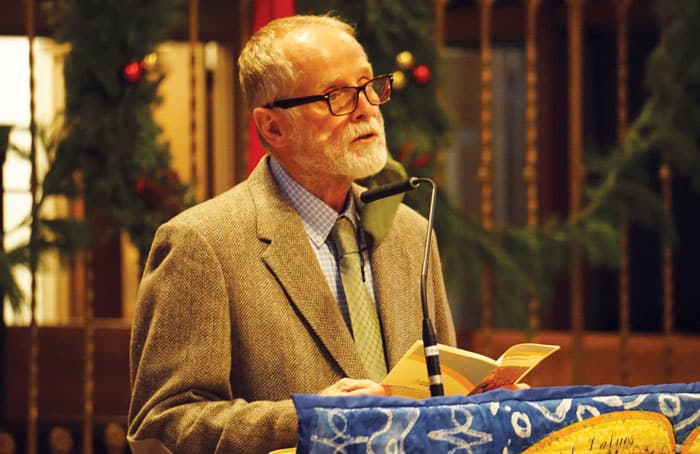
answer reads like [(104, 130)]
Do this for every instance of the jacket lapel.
[(399, 302), (294, 265)]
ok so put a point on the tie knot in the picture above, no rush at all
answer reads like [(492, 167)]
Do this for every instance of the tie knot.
[(344, 238)]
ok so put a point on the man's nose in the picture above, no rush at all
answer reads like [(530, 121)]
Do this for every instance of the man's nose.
[(364, 108)]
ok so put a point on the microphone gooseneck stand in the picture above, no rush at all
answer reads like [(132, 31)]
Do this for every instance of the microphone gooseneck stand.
[(430, 347), (432, 354)]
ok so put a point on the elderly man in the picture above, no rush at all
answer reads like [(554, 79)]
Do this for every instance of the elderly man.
[(249, 297)]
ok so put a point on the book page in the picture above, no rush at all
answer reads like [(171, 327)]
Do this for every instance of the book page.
[(528, 354), (514, 364), (460, 369)]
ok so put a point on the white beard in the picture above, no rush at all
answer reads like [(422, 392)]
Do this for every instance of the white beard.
[(343, 158)]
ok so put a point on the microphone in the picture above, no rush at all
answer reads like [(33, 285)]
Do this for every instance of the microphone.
[(390, 189), (430, 347)]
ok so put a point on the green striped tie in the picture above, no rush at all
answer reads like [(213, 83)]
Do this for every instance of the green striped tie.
[(363, 312)]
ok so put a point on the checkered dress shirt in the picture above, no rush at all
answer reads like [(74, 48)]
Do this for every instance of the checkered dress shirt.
[(318, 219)]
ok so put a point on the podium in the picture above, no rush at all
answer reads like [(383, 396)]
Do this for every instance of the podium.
[(604, 419)]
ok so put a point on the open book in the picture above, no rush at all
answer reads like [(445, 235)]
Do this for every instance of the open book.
[(463, 372)]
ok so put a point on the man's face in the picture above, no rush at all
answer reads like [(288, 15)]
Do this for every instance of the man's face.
[(351, 146)]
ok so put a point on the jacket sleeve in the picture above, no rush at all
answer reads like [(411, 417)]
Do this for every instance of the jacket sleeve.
[(182, 398)]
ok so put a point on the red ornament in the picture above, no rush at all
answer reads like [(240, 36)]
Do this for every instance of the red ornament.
[(421, 74), (148, 190), (405, 150), (133, 72), (141, 186), (421, 161), (160, 191)]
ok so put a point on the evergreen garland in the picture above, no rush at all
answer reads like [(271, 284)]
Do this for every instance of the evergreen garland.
[(8, 260), (617, 184), (111, 154), (107, 152), (67, 236)]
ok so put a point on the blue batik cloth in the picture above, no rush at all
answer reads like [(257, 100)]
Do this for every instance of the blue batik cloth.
[(498, 421)]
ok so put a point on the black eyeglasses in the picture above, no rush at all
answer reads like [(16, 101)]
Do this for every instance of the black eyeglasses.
[(343, 101)]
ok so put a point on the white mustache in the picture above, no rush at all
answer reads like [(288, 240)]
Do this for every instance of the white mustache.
[(353, 131)]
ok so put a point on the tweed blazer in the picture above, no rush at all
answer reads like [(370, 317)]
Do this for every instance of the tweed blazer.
[(234, 315)]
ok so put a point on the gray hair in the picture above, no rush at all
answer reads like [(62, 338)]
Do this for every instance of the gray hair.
[(265, 71)]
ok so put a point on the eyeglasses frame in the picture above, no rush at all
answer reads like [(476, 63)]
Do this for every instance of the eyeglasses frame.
[(294, 102)]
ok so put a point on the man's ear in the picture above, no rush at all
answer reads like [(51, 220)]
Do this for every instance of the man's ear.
[(271, 126)]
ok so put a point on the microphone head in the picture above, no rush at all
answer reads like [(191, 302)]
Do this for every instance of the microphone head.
[(390, 189)]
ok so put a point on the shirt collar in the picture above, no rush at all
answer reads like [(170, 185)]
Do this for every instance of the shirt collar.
[(317, 216)]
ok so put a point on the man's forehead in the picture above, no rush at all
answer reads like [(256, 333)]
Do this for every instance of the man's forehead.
[(326, 57)]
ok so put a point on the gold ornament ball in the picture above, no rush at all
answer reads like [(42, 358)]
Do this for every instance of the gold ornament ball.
[(150, 61), (405, 60), (399, 80)]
